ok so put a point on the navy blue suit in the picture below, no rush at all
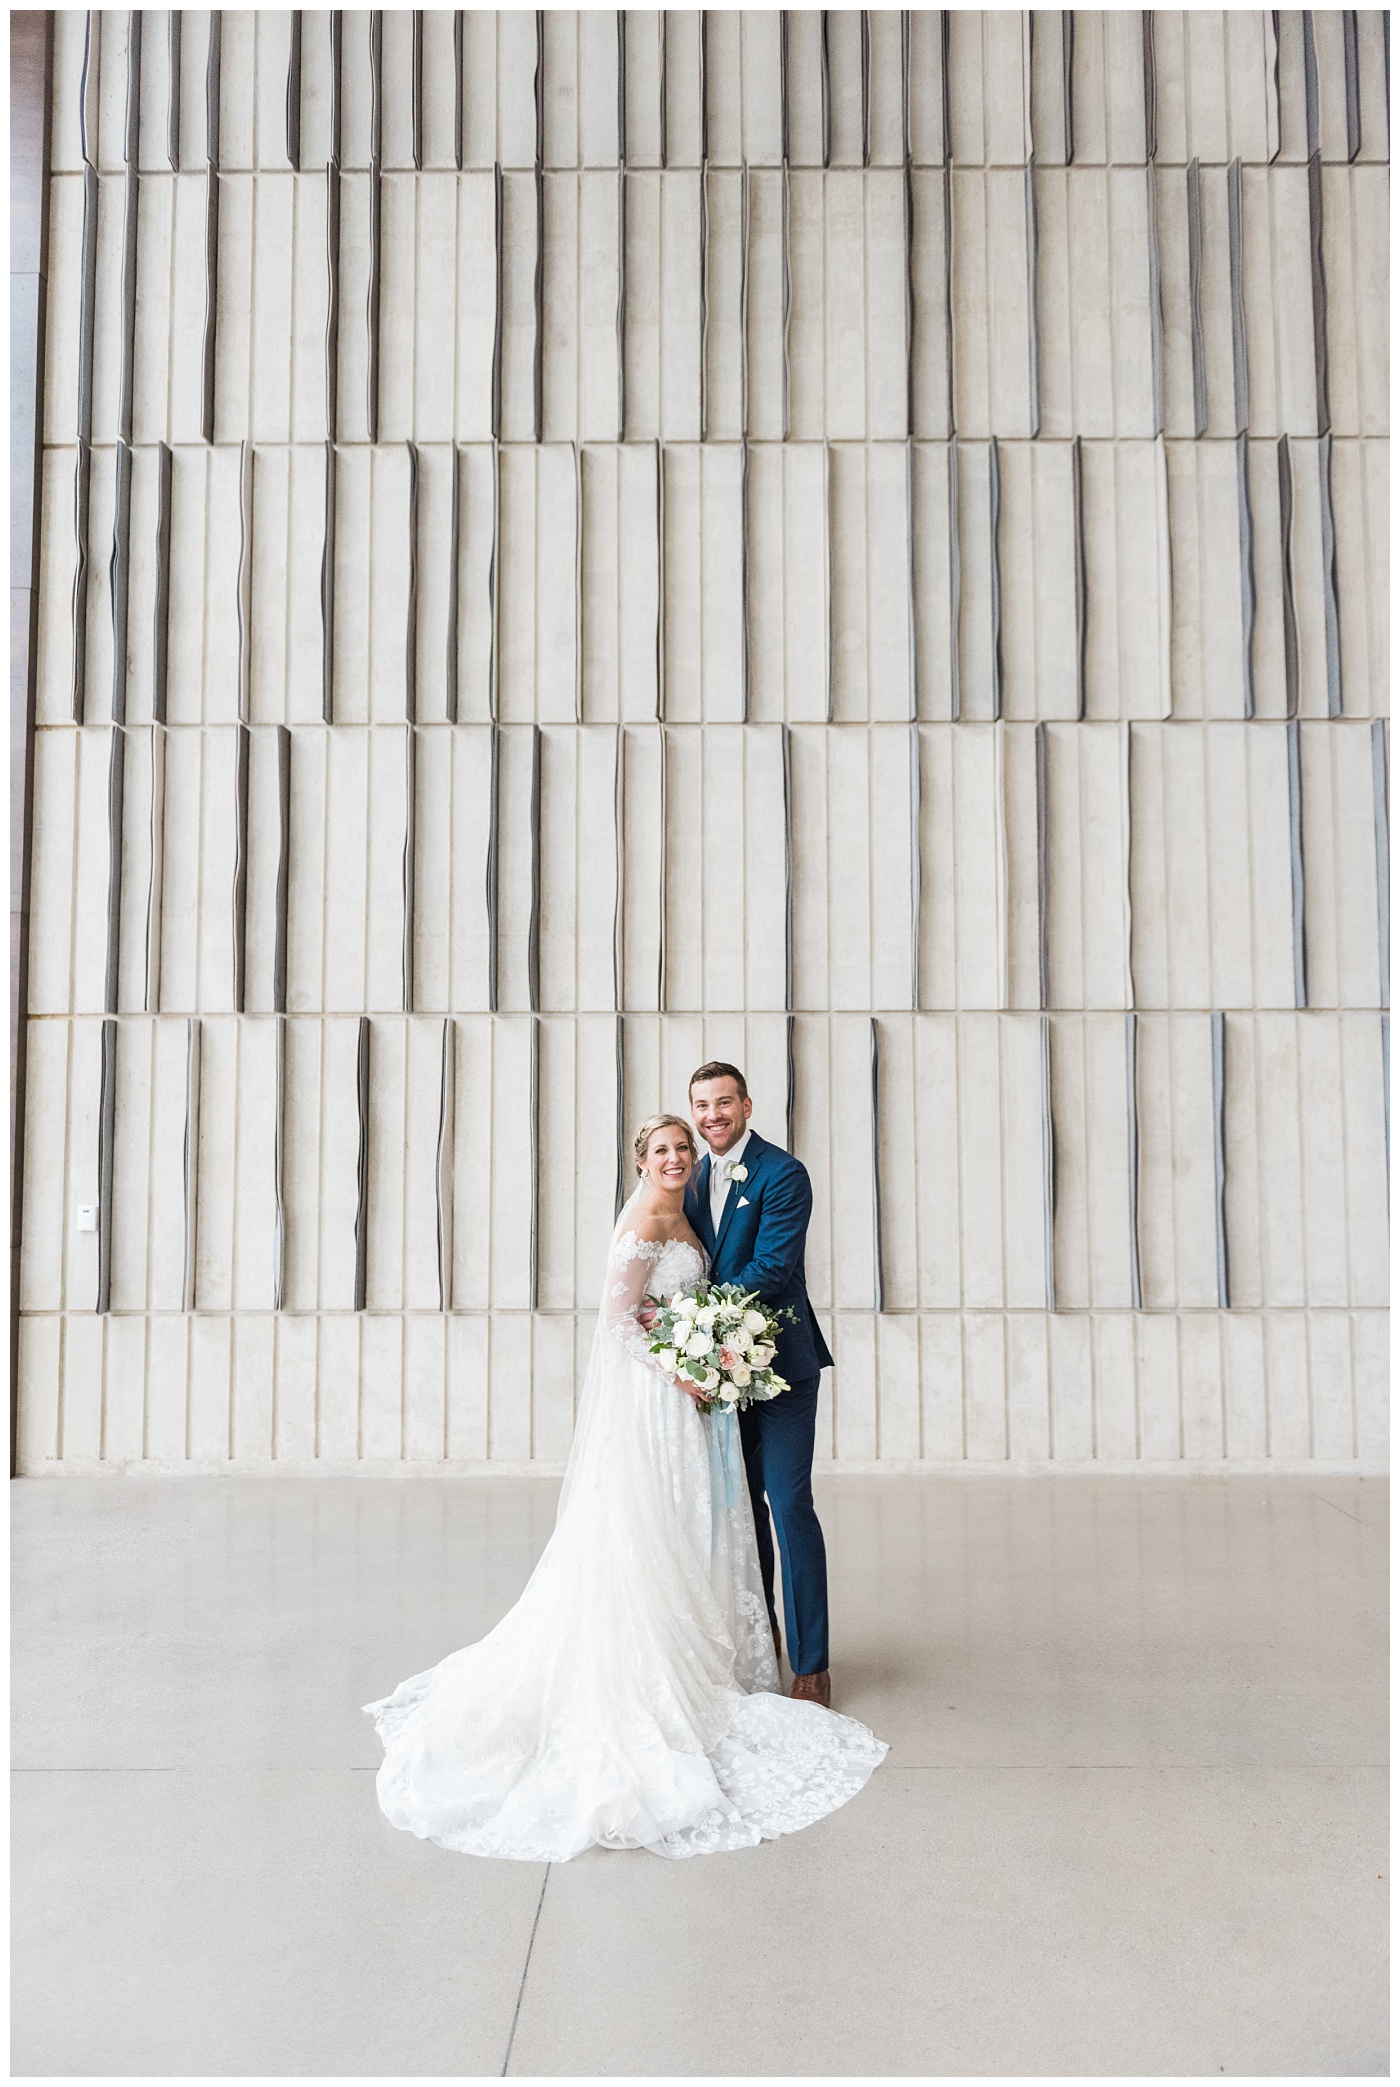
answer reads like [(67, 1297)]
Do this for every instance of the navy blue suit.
[(760, 1245)]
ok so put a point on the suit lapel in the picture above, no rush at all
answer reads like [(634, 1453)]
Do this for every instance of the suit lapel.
[(754, 1153)]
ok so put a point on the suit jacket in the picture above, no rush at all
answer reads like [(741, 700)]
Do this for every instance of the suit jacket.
[(761, 1246)]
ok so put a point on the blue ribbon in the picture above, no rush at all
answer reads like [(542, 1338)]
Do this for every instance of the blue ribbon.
[(726, 1465)]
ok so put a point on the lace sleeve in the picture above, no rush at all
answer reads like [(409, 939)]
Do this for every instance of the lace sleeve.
[(629, 1264)]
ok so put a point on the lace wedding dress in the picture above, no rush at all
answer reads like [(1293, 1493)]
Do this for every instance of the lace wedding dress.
[(628, 1700)]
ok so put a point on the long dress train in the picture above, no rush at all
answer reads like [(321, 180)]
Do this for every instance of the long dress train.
[(628, 1700)]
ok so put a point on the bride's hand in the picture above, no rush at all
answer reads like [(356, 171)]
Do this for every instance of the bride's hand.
[(692, 1391)]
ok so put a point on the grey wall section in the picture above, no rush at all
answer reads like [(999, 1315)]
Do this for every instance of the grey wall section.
[(881, 576)]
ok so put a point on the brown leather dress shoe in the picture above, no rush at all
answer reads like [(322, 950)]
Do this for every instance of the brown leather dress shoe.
[(813, 1688)]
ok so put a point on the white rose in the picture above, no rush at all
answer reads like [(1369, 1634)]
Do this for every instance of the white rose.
[(741, 1340), (668, 1360), (684, 1305), (755, 1321), (729, 1392), (709, 1380), (740, 1376), (707, 1315), (697, 1345), (762, 1355)]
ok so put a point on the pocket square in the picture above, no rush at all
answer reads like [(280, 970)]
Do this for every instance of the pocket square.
[(743, 1203)]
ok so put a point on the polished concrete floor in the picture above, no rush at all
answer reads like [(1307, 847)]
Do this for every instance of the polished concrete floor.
[(1132, 1819)]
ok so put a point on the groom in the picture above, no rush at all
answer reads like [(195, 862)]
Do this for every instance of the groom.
[(749, 1202)]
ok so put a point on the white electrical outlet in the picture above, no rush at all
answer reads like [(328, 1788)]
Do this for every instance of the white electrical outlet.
[(87, 1217)]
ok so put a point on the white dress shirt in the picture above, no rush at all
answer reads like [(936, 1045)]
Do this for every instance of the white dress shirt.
[(719, 1178)]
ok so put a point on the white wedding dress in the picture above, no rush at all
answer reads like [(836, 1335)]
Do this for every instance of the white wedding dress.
[(629, 1699)]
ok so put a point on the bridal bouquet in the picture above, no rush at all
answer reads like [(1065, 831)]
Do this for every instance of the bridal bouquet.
[(723, 1341)]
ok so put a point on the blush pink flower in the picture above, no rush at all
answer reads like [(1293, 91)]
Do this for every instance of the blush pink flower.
[(729, 1357)]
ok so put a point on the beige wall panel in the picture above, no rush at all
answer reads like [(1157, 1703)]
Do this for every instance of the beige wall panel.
[(1212, 906), (1360, 485), (62, 341), (1127, 557), (1371, 1339), (932, 381), (167, 1389), (520, 258), (210, 1402), (1094, 336), (724, 303), (724, 939), (338, 1387), (1039, 638), (764, 342), (1339, 860), (107, 311), (933, 580), (82, 1364), (295, 1354), (852, 896), (1355, 257), (61, 762), (199, 851), (1070, 1346), (58, 564), (40, 1375), (963, 886), (1116, 1428), (1207, 663), (788, 583), (1246, 1388), (46, 1198), (253, 1390), (643, 30), (493, 1176), (1108, 93), (976, 659), (123, 1404), (1089, 1076), (510, 1376), (662, 321), (1176, 1192), (1090, 926), (581, 355), (807, 304), (991, 356), (1212, 75), (381, 1388), (1022, 895), (988, 87), (703, 565), (468, 1415), (424, 1389), (870, 596), (620, 581), (98, 638), (578, 1163), (579, 868), (81, 1156), (1372, 33), (70, 30), (1278, 302), (204, 555), (537, 616), (644, 865)]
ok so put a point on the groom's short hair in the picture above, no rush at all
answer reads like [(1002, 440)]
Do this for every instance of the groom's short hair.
[(716, 1069)]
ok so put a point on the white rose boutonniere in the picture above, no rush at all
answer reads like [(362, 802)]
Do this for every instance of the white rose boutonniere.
[(738, 1173)]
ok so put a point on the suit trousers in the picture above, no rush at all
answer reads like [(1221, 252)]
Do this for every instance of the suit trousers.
[(778, 1439)]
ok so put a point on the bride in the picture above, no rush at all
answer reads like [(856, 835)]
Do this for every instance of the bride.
[(629, 1699)]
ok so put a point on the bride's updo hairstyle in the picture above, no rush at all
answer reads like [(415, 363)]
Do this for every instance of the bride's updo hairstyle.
[(648, 1131)]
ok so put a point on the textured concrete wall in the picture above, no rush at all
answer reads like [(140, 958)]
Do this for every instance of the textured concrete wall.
[(575, 543)]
